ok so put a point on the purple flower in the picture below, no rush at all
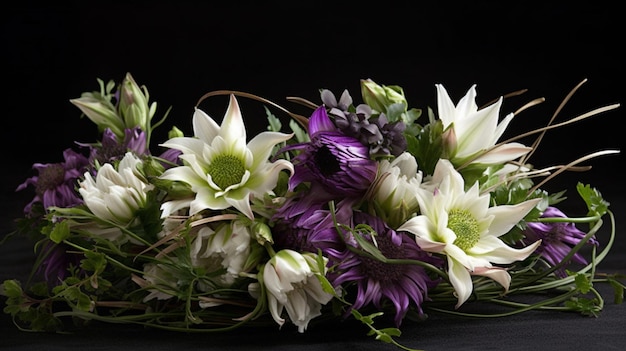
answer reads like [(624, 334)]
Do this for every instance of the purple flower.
[(377, 282), (111, 148), (55, 184), (170, 156), (382, 138), (56, 262), (336, 165), (557, 240), (303, 225)]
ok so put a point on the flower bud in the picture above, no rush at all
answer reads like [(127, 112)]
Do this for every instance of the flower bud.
[(379, 97), (133, 106), (292, 284), (101, 112)]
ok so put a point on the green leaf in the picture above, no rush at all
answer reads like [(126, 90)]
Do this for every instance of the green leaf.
[(583, 283), (60, 232), (274, 123), (592, 197), (94, 261), (11, 289)]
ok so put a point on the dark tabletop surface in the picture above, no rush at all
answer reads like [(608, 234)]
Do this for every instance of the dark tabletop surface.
[(181, 50)]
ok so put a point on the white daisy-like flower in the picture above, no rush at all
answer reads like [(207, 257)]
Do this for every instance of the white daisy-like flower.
[(222, 170), (471, 134), (462, 226)]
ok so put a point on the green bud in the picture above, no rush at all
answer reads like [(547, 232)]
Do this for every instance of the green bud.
[(101, 112), (262, 232), (379, 97), (152, 168), (133, 106), (175, 189), (175, 133)]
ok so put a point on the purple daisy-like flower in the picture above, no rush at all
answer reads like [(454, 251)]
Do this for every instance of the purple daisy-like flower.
[(56, 183), (111, 148), (336, 165), (377, 282), (309, 228), (56, 262), (557, 239)]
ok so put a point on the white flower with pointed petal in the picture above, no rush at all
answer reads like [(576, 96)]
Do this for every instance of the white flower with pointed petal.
[(462, 226), (469, 133), (222, 170), (292, 284)]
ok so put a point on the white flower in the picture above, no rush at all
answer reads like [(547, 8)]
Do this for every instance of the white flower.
[(462, 226), (222, 170), (226, 249), (394, 188), (469, 133), (160, 280), (292, 282), (116, 195)]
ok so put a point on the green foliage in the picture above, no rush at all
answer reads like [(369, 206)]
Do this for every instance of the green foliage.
[(592, 197), (426, 146)]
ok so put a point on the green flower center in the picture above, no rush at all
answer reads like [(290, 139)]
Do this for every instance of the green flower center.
[(226, 170), (465, 226)]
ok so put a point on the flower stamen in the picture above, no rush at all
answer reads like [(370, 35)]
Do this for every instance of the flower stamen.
[(226, 170), (465, 226)]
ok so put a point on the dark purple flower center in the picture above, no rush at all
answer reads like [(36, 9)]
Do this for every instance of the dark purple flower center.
[(380, 271), (326, 162), (50, 177)]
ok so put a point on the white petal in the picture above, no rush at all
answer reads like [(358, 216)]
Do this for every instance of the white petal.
[(204, 127), (232, 127), (506, 216), (262, 145), (495, 250), (461, 281), (499, 275), (184, 174), (503, 153), (173, 206), (186, 145)]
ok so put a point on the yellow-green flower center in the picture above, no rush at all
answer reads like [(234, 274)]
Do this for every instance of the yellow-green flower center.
[(226, 170), (465, 226)]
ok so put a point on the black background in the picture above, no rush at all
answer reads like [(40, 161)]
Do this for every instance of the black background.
[(182, 49)]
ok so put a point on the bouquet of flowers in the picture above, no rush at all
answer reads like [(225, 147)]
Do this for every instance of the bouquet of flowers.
[(369, 211)]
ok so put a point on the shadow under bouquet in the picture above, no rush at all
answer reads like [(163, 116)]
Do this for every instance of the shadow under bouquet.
[(363, 211)]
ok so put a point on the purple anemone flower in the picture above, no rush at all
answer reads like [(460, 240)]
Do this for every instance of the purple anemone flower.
[(336, 165), (55, 184), (378, 283), (557, 240)]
